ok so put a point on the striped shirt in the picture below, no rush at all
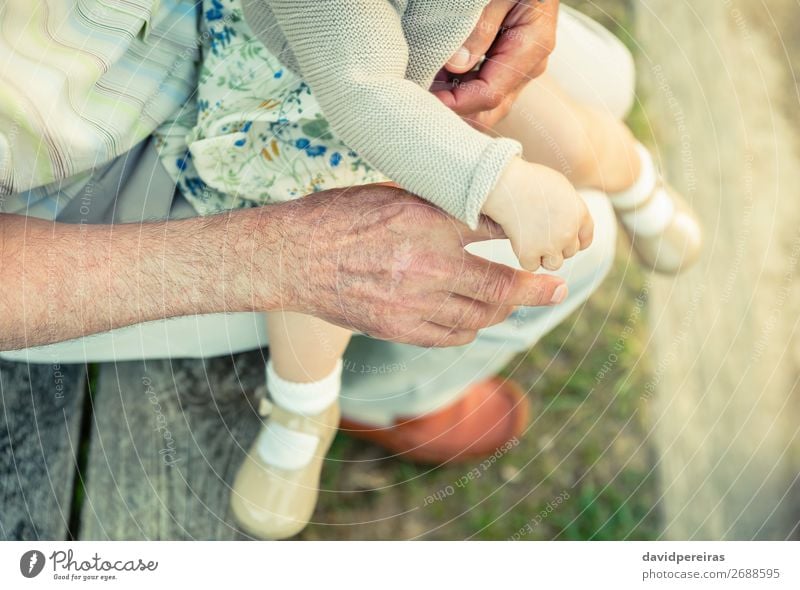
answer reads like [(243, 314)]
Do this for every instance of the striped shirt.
[(83, 81)]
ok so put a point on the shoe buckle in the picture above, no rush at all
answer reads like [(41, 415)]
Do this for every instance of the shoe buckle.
[(265, 407)]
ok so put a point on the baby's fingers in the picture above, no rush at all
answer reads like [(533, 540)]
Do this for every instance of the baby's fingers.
[(529, 256), (552, 262), (572, 250), (586, 231), (530, 262)]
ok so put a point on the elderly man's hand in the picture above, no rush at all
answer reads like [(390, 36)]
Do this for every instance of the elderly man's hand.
[(377, 260), (516, 37)]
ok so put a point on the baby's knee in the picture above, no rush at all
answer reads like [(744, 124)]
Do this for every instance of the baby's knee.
[(593, 65)]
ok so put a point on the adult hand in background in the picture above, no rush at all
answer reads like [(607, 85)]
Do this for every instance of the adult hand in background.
[(380, 261), (516, 37)]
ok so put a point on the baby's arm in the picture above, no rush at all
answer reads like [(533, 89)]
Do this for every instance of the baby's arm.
[(353, 55)]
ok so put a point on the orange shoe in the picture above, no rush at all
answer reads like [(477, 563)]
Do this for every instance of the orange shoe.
[(488, 415)]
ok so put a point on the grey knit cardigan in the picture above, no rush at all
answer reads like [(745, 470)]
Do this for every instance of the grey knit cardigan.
[(370, 64)]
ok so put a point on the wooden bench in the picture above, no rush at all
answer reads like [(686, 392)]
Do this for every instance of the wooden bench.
[(148, 458)]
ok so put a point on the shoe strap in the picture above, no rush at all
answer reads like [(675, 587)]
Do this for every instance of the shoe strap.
[(284, 448), (265, 407), (658, 185), (651, 217)]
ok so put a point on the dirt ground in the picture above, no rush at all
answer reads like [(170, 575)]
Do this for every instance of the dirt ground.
[(720, 88)]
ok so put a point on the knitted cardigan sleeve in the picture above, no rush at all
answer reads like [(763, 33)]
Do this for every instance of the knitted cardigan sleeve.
[(353, 55)]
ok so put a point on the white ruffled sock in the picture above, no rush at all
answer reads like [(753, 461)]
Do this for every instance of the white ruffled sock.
[(284, 448), (656, 215), (304, 398)]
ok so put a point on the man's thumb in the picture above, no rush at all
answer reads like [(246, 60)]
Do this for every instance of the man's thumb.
[(462, 61), (481, 37)]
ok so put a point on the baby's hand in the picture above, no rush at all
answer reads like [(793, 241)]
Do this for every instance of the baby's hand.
[(541, 213)]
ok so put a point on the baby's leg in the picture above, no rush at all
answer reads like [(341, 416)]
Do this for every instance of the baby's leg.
[(590, 147), (275, 490), (595, 150), (302, 348)]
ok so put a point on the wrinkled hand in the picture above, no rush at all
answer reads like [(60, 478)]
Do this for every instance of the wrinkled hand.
[(517, 37), (378, 260)]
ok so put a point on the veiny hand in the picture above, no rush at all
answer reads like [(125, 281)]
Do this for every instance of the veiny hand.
[(378, 260), (517, 37), (541, 213)]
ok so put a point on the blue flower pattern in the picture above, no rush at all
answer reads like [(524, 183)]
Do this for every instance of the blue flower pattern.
[(257, 135)]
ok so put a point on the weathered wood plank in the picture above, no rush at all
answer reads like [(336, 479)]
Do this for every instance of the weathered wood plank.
[(167, 439), (39, 442), (722, 98)]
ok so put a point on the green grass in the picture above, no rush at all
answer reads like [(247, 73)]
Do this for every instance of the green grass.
[(588, 437)]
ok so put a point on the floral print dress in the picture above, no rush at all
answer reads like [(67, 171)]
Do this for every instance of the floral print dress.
[(255, 134)]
